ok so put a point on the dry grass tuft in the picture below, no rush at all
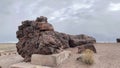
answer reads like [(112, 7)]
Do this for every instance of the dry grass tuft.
[(87, 57)]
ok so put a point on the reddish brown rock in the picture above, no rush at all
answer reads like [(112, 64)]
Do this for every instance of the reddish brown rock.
[(78, 40), (86, 46), (118, 40), (45, 27), (41, 19), (39, 37)]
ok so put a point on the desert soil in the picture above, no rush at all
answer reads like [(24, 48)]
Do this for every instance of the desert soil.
[(107, 56)]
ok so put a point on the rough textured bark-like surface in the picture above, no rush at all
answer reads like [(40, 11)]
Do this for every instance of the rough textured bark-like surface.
[(118, 40), (86, 46), (39, 37)]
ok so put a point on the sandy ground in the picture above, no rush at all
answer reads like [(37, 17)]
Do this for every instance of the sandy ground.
[(8, 55), (107, 56)]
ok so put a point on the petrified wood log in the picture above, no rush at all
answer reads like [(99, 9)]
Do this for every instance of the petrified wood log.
[(87, 46), (39, 37), (118, 40)]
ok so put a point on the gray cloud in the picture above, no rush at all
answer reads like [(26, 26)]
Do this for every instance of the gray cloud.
[(91, 17)]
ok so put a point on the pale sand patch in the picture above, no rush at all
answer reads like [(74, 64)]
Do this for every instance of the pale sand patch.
[(27, 65), (6, 61)]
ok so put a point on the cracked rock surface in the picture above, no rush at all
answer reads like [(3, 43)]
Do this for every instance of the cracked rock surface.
[(38, 37)]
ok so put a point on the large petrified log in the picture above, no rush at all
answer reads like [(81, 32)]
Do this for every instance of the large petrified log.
[(39, 37)]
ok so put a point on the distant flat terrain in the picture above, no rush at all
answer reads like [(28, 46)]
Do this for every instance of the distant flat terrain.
[(107, 56), (7, 46)]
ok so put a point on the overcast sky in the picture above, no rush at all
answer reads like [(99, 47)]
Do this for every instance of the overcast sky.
[(97, 18)]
